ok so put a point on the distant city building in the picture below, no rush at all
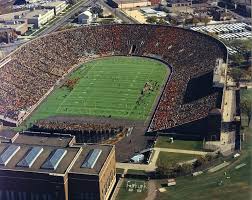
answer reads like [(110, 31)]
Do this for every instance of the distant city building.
[(54, 168), (125, 4), (220, 14), (155, 2), (20, 26), (39, 17), (31, 1), (179, 6), (7, 35), (36, 17), (57, 6)]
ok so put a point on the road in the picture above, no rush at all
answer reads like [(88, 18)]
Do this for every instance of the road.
[(84, 3), (60, 22)]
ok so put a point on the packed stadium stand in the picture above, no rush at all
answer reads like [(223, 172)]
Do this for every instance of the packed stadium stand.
[(33, 70)]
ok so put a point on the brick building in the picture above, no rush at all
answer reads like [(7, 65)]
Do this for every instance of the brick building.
[(55, 168)]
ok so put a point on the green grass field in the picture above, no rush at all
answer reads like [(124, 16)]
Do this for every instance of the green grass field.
[(238, 186), (108, 87), (124, 194), (171, 158), (164, 142)]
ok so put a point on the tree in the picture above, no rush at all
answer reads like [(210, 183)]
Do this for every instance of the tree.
[(237, 58), (195, 21), (243, 45), (236, 74), (209, 157), (96, 10), (206, 20), (152, 20), (161, 21), (166, 169), (246, 108), (186, 168), (200, 161)]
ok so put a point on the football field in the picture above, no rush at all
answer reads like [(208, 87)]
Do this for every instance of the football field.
[(120, 87)]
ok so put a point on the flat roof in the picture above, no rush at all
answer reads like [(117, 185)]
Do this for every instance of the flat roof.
[(35, 13), (36, 166), (24, 14), (7, 133), (129, 1), (54, 3), (74, 156), (44, 140), (77, 167)]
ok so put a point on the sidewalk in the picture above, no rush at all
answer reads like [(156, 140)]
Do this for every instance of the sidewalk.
[(152, 165)]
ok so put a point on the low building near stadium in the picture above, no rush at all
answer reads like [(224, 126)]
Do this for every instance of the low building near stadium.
[(126, 4), (36, 17), (85, 17), (49, 167), (57, 6)]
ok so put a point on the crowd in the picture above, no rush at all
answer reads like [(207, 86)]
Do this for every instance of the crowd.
[(83, 131), (38, 65)]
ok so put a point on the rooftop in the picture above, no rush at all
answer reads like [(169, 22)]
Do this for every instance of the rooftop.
[(79, 166), (129, 1), (7, 134), (44, 139), (53, 3), (24, 14), (45, 154)]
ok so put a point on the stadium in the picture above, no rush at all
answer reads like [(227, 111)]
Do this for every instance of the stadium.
[(160, 80)]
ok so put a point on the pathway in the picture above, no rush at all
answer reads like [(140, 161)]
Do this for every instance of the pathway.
[(152, 165), (152, 190)]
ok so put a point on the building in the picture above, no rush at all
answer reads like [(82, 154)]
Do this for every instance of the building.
[(7, 35), (55, 168), (179, 6), (31, 1), (39, 17), (57, 6), (126, 4), (155, 2), (20, 26), (85, 17), (36, 17)]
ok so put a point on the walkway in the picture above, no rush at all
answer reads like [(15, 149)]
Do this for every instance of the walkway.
[(118, 187), (152, 165), (152, 190), (181, 151)]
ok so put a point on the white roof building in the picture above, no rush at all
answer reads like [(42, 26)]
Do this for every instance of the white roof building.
[(58, 6), (85, 18)]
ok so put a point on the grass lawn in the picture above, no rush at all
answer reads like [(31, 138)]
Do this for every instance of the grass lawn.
[(120, 87), (205, 186), (164, 142), (124, 194), (167, 157)]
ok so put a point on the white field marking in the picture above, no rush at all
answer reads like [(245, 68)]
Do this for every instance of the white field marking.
[(71, 91)]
